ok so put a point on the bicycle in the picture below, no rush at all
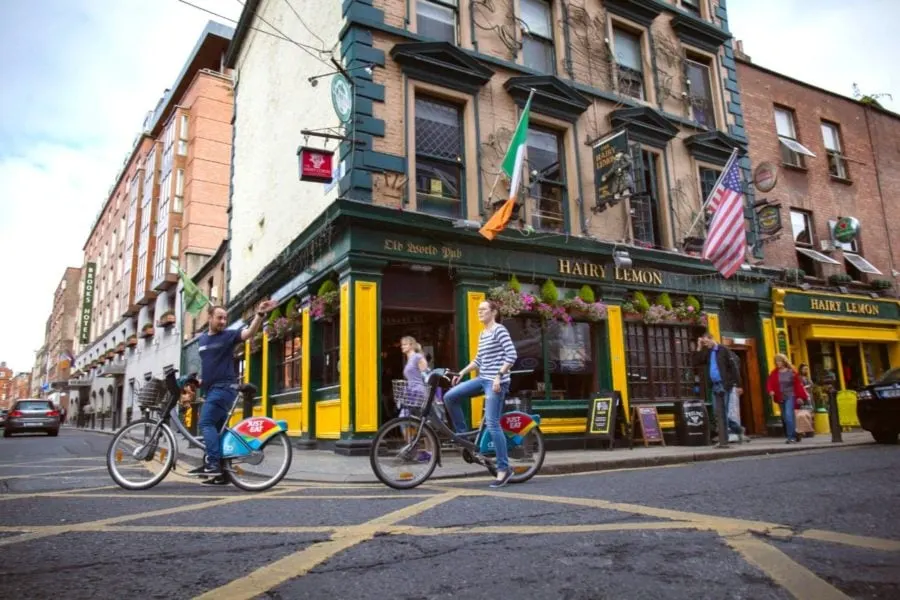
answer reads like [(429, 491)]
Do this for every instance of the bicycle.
[(410, 442), (155, 447)]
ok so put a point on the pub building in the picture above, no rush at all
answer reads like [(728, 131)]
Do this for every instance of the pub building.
[(402, 273)]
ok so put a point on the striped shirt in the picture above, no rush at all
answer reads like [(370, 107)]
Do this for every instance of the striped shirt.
[(495, 348)]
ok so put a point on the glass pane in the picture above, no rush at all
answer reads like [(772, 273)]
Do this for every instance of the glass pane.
[(437, 129), (708, 178), (436, 22), (537, 17), (701, 93), (570, 350), (547, 207), (438, 188), (784, 123), (628, 49), (537, 54), (800, 226), (527, 338), (543, 154), (829, 134)]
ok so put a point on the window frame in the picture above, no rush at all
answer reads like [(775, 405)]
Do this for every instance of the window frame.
[(619, 25), (288, 367), (561, 184), (710, 64), (637, 342), (790, 146), (418, 156), (837, 164), (441, 4), (659, 199), (331, 352), (527, 34), (702, 9)]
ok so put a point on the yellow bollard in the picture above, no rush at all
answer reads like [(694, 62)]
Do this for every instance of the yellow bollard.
[(820, 422)]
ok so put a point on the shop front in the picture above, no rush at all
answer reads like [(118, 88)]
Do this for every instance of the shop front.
[(583, 322), (846, 339)]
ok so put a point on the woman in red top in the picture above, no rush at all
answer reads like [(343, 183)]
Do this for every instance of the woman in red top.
[(785, 386)]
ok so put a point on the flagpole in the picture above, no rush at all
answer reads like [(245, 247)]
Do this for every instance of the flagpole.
[(731, 159)]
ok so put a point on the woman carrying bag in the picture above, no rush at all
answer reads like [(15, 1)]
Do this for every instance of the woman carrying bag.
[(785, 386)]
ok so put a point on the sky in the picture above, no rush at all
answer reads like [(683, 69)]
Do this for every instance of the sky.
[(80, 75)]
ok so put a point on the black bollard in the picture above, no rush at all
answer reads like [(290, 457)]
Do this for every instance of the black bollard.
[(834, 418), (721, 419)]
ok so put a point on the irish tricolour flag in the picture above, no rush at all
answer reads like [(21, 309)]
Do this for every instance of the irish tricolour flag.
[(512, 168)]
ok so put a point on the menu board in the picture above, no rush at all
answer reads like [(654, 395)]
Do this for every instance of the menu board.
[(648, 420), (603, 415)]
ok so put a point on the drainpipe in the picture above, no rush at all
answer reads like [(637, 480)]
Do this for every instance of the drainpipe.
[(880, 193)]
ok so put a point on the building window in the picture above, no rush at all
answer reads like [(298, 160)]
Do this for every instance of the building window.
[(699, 82), (808, 258), (178, 205), (837, 164), (537, 39), (629, 63), (547, 189), (183, 136), (692, 6), (561, 356), (439, 162), (288, 366), (708, 179), (645, 213), (175, 255), (331, 352), (792, 151), (436, 20), (658, 362)]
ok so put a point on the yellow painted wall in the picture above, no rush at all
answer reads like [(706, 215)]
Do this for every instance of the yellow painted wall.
[(894, 355), (473, 299), (564, 425), (346, 321), (328, 419), (365, 354), (617, 354), (771, 349), (712, 325), (306, 414), (290, 413), (264, 385), (238, 412)]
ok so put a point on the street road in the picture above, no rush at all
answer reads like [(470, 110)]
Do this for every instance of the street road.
[(816, 525)]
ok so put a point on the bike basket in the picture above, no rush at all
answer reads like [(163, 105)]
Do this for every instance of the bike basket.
[(152, 394), (404, 396)]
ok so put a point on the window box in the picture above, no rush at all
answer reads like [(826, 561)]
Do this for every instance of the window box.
[(131, 341), (120, 349), (839, 279), (167, 319), (147, 331), (881, 284)]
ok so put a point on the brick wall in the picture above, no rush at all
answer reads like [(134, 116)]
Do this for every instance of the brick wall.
[(814, 189)]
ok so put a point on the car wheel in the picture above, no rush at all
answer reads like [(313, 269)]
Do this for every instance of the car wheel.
[(885, 437), (7, 433), (53, 433)]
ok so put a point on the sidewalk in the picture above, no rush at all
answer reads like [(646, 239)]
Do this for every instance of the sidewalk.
[(326, 466)]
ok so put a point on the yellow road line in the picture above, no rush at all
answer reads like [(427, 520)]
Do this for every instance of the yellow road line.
[(30, 463), (52, 473), (300, 563), (783, 570), (539, 529), (851, 540), (57, 493)]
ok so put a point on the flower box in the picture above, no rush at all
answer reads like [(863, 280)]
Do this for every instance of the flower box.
[(167, 319), (131, 341), (147, 331)]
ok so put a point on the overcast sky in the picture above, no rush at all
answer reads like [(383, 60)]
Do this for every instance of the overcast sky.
[(79, 76)]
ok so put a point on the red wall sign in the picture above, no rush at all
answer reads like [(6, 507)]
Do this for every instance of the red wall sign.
[(315, 164)]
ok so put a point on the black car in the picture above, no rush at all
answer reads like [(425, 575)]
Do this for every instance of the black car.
[(32, 416), (878, 407)]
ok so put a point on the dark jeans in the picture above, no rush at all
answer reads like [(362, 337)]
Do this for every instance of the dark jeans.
[(213, 415)]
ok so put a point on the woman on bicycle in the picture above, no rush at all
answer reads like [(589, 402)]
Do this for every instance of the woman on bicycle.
[(412, 371), (494, 359)]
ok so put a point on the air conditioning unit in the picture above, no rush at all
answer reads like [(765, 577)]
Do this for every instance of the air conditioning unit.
[(827, 245)]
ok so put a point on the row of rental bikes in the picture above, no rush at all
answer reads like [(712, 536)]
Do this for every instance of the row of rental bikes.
[(257, 452)]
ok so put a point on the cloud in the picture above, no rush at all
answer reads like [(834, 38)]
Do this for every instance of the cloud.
[(79, 77)]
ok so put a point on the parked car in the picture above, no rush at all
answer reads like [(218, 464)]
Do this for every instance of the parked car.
[(32, 415), (878, 407), (3, 414)]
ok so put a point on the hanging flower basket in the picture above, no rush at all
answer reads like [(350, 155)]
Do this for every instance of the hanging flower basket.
[(512, 302), (663, 311), (324, 307), (256, 342), (283, 328)]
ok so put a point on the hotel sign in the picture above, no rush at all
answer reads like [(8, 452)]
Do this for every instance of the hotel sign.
[(87, 304), (836, 306)]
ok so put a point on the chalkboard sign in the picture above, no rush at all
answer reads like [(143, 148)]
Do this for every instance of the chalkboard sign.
[(648, 419), (603, 415)]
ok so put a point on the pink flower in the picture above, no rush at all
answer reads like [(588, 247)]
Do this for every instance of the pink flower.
[(690, 308)]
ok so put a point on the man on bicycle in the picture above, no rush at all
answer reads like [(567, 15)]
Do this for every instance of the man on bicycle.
[(219, 380)]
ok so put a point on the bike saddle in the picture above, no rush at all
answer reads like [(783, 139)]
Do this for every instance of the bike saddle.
[(248, 389)]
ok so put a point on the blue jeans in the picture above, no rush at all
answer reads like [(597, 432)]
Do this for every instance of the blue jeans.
[(213, 415), (787, 412), (493, 408)]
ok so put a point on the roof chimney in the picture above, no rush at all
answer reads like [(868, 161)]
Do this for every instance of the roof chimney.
[(739, 51)]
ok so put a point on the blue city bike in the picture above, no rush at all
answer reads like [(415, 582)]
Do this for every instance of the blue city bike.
[(256, 453), (406, 450)]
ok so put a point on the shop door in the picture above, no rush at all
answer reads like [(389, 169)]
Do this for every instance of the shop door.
[(851, 365), (433, 330), (753, 398)]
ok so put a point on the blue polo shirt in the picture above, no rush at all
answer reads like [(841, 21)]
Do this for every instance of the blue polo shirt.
[(217, 358), (714, 375)]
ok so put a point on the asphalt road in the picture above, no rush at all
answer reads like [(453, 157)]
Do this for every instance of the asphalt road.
[(816, 525)]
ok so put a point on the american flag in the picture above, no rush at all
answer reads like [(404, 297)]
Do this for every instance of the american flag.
[(726, 242)]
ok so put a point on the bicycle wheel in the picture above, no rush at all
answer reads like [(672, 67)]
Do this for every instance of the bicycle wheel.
[(137, 459), (258, 474), (527, 459), (397, 462)]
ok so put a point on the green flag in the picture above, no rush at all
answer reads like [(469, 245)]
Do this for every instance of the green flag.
[(192, 299)]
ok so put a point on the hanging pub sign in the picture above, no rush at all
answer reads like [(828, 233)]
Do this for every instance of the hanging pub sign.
[(769, 219), (315, 164), (765, 177), (613, 170), (846, 229)]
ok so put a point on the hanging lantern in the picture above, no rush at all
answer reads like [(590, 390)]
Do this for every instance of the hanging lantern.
[(315, 164)]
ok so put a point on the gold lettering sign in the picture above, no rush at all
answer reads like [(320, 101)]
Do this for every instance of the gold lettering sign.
[(853, 308), (444, 252), (581, 269), (645, 276)]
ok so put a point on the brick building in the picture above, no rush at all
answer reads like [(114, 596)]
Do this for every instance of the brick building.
[(59, 344), (20, 387), (6, 376), (166, 210), (430, 93), (838, 167)]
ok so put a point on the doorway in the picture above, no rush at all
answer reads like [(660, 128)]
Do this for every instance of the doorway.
[(752, 400), (433, 330), (851, 365)]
